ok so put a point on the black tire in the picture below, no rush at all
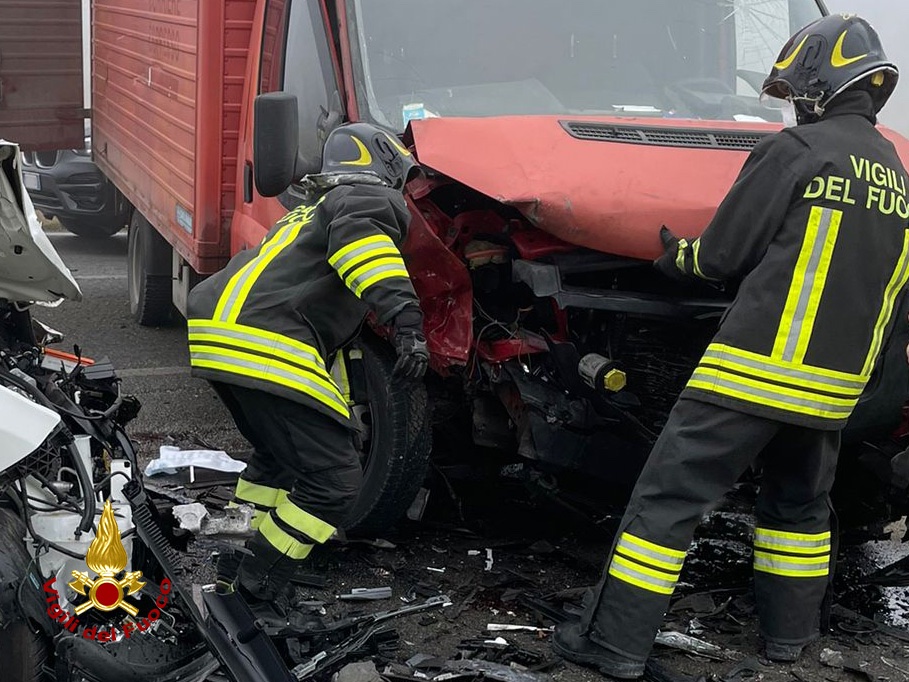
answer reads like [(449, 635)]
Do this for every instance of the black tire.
[(149, 274), (23, 649), (93, 228), (396, 455)]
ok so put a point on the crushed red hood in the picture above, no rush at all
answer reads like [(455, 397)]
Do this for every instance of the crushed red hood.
[(605, 195)]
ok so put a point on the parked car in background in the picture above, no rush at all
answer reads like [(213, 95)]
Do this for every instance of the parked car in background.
[(67, 184)]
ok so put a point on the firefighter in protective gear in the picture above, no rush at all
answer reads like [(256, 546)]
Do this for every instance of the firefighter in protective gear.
[(815, 229), (264, 329)]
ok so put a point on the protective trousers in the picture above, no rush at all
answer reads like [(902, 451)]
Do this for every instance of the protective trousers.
[(302, 480), (701, 453)]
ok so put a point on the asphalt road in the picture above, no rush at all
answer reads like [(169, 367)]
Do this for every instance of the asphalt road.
[(153, 362)]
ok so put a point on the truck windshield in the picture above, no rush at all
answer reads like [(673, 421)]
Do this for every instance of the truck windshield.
[(697, 59)]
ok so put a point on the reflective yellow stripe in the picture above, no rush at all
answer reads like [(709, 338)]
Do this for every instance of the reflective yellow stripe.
[(203, 341), (262, 495), (283, 541), (244, 364), (792, 567), (727, 357), (264, 260), (368, 252), (680, 254), (841, 379), (894, 287), (355, 277), (340, 258), (375, 279), (244, 333), (791, 400), (232, 297), (640, 576), (676, 557), (339, 376), (695, 249), (643, 558), (257, 517), (794, 543), (303, 521), (808, 280), (318, 378)]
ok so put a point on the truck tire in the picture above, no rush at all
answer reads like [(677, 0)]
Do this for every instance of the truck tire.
[(93, 228), (23, 650), (395, 454), (149, 274)]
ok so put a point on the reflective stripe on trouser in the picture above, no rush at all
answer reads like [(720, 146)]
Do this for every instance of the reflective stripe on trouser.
[(263, 498), (794, 550), (701, 453)]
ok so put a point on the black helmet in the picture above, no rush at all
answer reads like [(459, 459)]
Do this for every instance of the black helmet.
[(361, 149), (828, 57)]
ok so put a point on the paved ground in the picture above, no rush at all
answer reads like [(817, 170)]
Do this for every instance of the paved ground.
[(537, 549)]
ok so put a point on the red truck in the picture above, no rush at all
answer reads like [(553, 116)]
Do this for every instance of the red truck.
[(557, 137)]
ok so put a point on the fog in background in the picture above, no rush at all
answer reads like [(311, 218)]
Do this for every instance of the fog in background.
[(891, 19)]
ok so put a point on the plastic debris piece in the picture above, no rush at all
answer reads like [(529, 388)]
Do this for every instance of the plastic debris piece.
[(489, 560), (190, 516), (508, 627), (473, 552), (489, 670), (367, 594), (832, 658), (693, 645), (363, 671), (170, 459), (435, 570)]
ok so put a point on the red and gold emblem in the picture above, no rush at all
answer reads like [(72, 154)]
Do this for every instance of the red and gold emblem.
[(107, 557)]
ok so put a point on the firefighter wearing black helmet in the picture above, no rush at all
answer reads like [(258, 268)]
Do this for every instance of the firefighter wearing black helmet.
[(264, 329), (815, 231)]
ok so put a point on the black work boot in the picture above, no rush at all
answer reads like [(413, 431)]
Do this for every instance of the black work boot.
[(783, 653), (571, 642), (264, 583)]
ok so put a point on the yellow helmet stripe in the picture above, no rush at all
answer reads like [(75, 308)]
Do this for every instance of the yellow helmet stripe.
[(786, 63), (365, 158), (837, 59)]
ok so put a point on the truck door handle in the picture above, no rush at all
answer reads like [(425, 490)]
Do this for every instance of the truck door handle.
[(248, 182)]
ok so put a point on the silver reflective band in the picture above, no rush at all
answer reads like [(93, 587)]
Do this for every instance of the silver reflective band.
[(810, 280), (274, 343), (769, 394), (264, 370), (835, 384), (358, 282)]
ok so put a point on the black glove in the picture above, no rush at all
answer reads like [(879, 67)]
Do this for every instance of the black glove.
[(410, 345), (666, 263)]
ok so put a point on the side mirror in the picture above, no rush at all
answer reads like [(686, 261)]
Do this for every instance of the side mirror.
[(276, 142)]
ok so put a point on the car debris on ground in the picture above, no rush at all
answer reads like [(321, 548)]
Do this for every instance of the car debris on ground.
[(506, 587)]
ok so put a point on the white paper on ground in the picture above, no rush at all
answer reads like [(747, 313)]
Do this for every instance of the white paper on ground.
[(170, 459)]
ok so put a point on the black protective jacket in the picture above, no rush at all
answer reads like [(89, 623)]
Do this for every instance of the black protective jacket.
[(816, 228), (275, 314)]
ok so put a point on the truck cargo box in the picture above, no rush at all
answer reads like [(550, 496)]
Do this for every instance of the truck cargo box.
[(167, 91), (42, 103)]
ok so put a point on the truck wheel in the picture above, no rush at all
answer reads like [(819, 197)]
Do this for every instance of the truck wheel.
[(149, 274), (93, 228), (395, 441), (23, 651)]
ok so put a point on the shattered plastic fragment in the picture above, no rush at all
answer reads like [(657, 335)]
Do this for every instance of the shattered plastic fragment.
[(508, 627), (190, 516), (693, 645)]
